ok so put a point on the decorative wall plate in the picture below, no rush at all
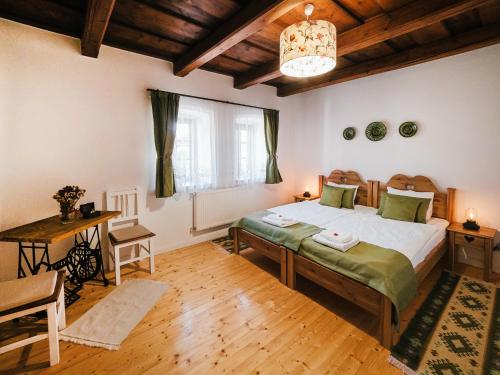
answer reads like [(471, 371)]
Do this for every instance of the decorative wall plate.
[(408, 129), (376, 131), (349, 133)]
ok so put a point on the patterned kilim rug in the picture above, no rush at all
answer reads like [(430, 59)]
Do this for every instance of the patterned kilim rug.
[(227, 243), (455, 331)]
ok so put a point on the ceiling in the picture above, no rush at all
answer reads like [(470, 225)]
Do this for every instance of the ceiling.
[(240, 38)]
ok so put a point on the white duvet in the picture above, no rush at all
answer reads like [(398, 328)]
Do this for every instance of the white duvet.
[(414, 240), (311, 212)]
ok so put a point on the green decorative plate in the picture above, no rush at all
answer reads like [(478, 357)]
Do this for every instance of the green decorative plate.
[(408, 129), (376, 131), (349, 133)]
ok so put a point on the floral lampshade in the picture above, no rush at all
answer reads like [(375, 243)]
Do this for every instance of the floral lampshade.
[(308, 48)]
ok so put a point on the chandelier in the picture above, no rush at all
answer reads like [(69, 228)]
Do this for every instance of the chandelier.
[(308, 48)]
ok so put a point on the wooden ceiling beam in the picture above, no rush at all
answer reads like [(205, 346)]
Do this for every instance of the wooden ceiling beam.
[(415, 16), (96, 23), (259, 74), (43, 14), (252, 18), (454, 45)]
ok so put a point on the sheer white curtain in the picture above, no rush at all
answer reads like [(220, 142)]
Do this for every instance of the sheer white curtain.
[(218, 145)]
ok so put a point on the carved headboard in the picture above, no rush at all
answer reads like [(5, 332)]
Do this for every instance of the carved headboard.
[(364, 194), (443, 203)]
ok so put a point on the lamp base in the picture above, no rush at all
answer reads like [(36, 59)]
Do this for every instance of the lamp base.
[(471, 225), (306, 194)]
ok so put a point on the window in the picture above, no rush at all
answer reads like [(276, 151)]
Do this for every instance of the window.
[(218, 145)]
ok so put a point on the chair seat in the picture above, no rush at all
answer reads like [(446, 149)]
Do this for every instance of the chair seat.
[(129, 234), (19, 292)]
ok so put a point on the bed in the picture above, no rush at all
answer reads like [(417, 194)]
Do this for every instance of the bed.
[(423, 258)]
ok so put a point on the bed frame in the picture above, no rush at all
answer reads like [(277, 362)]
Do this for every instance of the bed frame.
[(279, 253), (352, 290), (263, 246)]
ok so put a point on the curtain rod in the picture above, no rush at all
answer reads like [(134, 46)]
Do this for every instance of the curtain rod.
[(215, 100)]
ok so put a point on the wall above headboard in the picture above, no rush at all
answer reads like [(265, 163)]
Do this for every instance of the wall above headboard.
[(455, 102)]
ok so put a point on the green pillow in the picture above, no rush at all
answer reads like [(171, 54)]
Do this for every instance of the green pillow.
[(348, 198), (383, 196), (331, 196), (399, 207), (421, 211)]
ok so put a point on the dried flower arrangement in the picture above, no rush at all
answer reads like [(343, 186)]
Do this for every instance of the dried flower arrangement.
[(67, 197)]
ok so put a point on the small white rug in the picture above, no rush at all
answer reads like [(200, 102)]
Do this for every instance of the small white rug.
[(110, 320)]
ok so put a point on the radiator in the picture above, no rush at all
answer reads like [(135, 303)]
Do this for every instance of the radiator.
[(216, 208)]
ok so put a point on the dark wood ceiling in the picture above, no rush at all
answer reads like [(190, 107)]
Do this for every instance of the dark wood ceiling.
[(240, 38)]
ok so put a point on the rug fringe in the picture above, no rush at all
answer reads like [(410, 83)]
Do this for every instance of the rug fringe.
[(88, 342), (400, 365)]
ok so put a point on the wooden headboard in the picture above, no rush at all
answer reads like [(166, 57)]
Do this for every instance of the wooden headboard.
[(443, 202), (365, 190)]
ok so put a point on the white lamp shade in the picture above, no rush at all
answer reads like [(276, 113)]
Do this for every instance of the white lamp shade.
[(308, 48)]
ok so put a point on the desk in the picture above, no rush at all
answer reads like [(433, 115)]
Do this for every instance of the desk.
[(38, 235)]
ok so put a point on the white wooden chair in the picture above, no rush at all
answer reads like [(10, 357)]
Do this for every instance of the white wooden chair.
[(125, 230), (29, 295)]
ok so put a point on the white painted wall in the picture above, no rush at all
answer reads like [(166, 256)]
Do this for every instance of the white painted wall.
[(70, 119), (456, 103), (65, 118)]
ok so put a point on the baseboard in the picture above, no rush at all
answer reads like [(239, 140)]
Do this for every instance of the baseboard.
[(194, 232), (190, 242)]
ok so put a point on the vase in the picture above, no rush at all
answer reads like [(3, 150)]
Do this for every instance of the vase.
[(67, 214)]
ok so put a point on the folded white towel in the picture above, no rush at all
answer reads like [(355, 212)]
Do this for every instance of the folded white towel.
[(337, 237), (337, 246), (279, 223), (279, 217)]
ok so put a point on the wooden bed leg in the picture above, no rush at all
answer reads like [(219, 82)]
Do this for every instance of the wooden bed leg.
[(236, 242), (290, 269), (283, 263), (385, 322)]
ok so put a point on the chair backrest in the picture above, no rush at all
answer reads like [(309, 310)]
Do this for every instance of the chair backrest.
[(125, 201)]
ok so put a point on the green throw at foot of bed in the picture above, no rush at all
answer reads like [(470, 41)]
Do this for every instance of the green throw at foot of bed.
[(385, 270), (290, 237)]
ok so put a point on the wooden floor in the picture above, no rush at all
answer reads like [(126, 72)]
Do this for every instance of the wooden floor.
[(226, 314)]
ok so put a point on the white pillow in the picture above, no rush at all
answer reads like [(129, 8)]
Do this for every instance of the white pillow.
[(346, 187), (416, 194)]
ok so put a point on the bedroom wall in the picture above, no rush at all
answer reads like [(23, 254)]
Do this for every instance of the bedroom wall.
[(70, 119), (455, 102)]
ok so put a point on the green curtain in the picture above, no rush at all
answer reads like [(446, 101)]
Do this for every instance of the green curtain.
[(165, 109), (271, 125)]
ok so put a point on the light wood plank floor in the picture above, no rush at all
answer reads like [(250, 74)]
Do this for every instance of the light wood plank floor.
[(226, 314)]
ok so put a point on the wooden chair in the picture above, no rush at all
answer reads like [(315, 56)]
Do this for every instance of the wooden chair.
[(125, 230), (29, 295)]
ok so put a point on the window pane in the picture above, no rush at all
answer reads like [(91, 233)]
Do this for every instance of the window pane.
[(218, 145)]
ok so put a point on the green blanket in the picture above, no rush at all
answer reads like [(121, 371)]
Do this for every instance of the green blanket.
[(290, 237), (385, 270)]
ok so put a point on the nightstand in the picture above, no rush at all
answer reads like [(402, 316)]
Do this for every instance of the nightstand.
[(481, 240), (301, 198)]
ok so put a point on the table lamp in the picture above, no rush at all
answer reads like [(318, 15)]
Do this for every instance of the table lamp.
[(306, 194), (470, 219)]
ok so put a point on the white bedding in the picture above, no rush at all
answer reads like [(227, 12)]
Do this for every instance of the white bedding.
[(311, 212), (414, 240)]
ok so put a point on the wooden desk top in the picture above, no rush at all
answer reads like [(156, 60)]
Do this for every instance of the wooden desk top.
[(51, 230), (483, 232)]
